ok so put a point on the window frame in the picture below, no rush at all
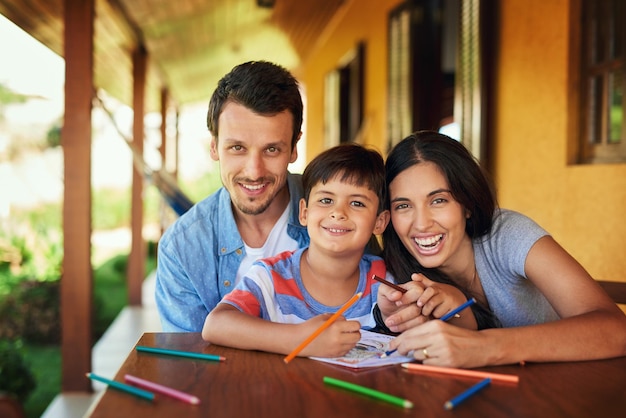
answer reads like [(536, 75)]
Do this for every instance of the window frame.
[(591, 120)]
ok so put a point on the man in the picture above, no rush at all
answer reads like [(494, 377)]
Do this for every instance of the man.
[(255, 119)]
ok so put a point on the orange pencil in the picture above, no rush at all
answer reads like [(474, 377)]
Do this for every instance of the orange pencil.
[(325, 325), (510, 378)]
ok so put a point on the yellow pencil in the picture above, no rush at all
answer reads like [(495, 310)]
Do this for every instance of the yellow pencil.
[(325, 325)]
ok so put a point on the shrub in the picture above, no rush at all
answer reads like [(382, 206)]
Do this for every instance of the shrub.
[(16, 377), (32, 312)]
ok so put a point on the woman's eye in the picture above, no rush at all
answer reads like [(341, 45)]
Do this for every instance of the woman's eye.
[(401, 206), (439, 201)]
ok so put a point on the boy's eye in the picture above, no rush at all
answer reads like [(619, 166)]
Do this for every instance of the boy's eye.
[(357, 203), (326, 200), (401, 206)]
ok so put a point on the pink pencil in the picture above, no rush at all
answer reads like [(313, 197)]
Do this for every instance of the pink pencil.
[(182, 396)]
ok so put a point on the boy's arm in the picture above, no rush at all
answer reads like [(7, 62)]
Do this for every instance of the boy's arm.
[(228, 326)]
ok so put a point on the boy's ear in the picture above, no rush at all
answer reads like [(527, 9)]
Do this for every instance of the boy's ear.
[(303, 212), (382, 220)]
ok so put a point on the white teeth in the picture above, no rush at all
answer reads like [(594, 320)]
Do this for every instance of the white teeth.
[(337, 231), (428, 242), (252, 187)]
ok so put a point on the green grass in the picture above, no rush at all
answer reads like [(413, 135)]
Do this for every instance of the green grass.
[(45, 363)]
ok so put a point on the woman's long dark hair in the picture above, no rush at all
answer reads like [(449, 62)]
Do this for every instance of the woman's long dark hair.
[(469, 186)]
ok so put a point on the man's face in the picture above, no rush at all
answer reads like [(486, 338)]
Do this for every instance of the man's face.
[(254, 152)]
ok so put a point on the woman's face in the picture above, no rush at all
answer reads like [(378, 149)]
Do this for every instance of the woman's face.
[(428, 220)]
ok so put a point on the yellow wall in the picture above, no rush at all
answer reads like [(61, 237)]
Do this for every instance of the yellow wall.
[(583, 207), (358, 21)]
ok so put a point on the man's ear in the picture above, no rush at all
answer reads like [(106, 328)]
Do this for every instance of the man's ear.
[(213, 150), (303, 212), (294, 151), (382, 220)]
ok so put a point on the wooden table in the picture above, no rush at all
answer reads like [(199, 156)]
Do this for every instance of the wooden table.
[(256, 384)]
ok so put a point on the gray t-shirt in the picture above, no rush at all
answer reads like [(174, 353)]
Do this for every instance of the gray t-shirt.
[(500, 258)]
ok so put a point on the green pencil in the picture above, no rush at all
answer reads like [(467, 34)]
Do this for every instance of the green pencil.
[(201, 356), (123, 387), (369, 392)]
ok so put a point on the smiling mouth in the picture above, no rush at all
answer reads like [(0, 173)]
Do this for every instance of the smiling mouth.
[(337, 230), (253, 187), (428, 243)]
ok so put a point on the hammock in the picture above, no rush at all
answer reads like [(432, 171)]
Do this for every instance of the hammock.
[(164, 182)]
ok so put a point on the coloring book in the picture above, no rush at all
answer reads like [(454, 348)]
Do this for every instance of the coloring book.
[(368, 353)]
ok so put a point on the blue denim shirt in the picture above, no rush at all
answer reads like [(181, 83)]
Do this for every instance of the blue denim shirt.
[(199, 255)]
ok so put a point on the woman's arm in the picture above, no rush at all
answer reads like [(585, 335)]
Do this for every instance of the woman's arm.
[(591, 325)]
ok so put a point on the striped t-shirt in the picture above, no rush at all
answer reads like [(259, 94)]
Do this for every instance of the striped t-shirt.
[(273, 290)]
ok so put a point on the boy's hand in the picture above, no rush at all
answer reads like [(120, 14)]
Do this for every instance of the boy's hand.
[(335, 341)]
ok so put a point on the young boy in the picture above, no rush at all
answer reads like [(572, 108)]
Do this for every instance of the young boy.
[(284, 299)]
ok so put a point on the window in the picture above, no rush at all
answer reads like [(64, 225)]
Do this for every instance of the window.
[(344, 93), (437, 70), (602, 129)]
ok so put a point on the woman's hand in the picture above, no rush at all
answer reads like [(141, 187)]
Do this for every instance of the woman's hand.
[(402, 306), (438, 299), (438, 343), (424, 300)]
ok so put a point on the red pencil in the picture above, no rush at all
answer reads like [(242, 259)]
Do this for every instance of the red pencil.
[(388, 283)]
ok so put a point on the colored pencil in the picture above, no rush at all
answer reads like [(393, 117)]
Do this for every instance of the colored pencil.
[(188, 354), (509, 378), (388, 283), (164, 390), (459, 399), (443, 318), (458, 309), (325, 325), (123, 387), (369, 392)]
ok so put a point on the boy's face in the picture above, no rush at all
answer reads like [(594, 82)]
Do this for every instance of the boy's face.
[(254, 152), (341, 217)]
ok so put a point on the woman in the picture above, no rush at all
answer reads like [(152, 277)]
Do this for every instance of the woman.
[(445, 223)]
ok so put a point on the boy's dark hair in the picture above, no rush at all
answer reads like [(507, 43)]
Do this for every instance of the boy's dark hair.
[(261, 86), (352, 163)]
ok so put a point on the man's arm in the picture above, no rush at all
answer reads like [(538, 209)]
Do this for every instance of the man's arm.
[(179, 305)]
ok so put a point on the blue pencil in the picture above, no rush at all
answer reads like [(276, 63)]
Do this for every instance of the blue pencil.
[(457, 310), (123, 387), (457, 400), (443, 318)]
